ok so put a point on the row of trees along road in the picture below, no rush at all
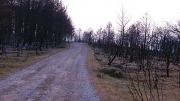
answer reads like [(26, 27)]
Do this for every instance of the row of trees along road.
[(141, 42), (33, 23)]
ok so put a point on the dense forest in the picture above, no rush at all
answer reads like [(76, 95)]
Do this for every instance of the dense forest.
[(33, 24)]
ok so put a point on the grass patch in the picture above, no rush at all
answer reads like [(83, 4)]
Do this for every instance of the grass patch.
[(111, 87), (108, 85), (112, 72), (10, 63)]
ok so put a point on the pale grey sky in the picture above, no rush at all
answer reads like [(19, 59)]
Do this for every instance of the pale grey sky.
[(97, 13)]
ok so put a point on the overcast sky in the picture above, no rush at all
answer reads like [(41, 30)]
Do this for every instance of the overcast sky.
[(94, 14)]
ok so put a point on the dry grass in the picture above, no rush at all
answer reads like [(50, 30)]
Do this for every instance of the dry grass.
[(10, 62), (109, 88), (112, 88)]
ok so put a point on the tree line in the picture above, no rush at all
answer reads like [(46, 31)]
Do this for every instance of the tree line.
[(35, 23), (146, 53), (142, 42)]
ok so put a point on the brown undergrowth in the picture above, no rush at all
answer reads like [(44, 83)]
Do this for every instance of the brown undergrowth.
[(112, 82), (11, 62), (109, 88)]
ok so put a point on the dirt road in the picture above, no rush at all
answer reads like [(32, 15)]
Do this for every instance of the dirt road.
[(61, 77)]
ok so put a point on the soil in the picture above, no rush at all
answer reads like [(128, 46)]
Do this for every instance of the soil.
[(61, 77)]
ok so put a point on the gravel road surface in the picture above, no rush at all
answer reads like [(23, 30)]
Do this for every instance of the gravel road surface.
[(61, 77)]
